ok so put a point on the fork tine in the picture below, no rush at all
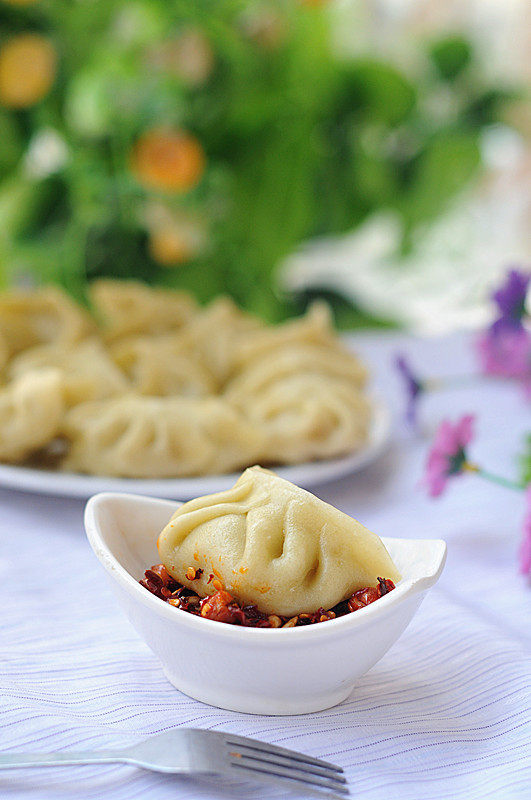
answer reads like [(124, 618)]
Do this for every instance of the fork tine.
[(283, 761), (295, 778), (265, 747)]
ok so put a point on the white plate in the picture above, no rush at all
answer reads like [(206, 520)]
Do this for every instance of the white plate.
[(315, 473)]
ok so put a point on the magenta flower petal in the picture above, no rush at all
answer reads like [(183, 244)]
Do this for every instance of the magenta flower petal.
[(465, 430), (436, 476), (525, 547), (506, 352), (447, 455)]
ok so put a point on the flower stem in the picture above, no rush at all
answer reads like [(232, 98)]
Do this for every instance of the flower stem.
[(489, 476), (450, 381)]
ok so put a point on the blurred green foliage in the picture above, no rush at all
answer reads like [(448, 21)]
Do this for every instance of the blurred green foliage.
[(297, 141)]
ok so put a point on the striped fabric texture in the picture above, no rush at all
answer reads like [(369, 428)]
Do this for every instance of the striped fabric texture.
[(447, 712)]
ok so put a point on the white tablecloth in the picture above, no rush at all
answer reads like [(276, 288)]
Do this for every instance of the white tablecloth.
[(446, 713)]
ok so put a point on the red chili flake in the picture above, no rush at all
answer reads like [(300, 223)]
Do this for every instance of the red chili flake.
[(385, 586), (219, 606), (161, 572), (362, 598), (222, 607), (193, 573)]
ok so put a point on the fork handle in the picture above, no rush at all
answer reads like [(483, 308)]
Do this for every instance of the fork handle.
[(10, 760)]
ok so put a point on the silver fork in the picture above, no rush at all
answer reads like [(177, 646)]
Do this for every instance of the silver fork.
[(190, 751)]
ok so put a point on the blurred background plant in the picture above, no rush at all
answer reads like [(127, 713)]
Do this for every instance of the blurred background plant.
[(196, 144)]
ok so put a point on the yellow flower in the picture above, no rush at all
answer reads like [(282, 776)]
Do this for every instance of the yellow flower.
[(27, 70), (169, 247), (168, 160), (175, 235)]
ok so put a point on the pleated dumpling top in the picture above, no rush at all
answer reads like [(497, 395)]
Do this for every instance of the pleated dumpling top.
[(273, 545)]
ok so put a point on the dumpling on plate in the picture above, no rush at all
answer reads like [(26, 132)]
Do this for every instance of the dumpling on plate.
[(213, 335), (303, 388), (31, 409), (160, 365), (41, 316), (296, 360), (159, 437), (308, 400), (88, 371), (314, 328), (309, 417), (273, 545), (132, 307)]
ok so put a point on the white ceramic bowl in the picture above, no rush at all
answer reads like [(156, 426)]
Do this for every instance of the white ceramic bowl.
[(259, 671)]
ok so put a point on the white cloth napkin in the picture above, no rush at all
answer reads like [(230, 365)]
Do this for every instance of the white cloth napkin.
[(446, 713)]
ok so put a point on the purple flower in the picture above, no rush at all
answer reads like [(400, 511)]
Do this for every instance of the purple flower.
[(525, 547), (447, 456), (510, 299), (414, 387)]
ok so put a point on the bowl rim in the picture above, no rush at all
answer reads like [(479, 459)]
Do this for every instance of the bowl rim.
[(404, 588)]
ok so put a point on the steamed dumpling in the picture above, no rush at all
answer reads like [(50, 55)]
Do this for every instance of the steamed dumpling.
[(309, 401), (313, 329), (158, 437), (131, 307), (42, 316), (159, 365), (213, 335), (88, 371), (303, 388), (273, 545), (31, 408), (194, 361)]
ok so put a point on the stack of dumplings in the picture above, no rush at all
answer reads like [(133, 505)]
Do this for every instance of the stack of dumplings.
[(150, 385)]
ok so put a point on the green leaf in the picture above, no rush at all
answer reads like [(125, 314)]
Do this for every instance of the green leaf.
[(451, 56), (19, 197), (486, 107), (374, 90), (446, 164), (11, 142)]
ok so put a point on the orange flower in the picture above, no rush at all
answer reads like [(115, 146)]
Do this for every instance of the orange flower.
[(27, 70), (169, 160)]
